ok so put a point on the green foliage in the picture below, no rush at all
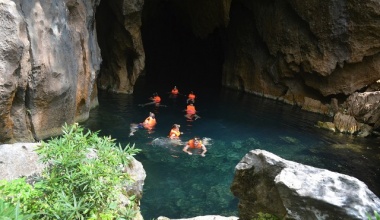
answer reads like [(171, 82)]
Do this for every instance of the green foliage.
[(10, 212), (265, 216), (377, 216), (20, 192), (83, 180)]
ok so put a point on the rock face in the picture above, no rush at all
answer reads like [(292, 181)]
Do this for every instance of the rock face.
[(118, 23), (267, 183), (299, 51), (329, 47), (49, 62)]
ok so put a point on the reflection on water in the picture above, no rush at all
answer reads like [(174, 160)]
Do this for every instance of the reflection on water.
[(183, 186)]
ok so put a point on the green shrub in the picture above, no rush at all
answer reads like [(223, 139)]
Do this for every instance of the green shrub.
[(76, 185), (377, 216), (10, 212)]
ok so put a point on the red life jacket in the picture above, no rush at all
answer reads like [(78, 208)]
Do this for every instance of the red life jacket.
[(190, 109), (192, 145), (191, 96), (149, 123), (157, 99), (175, 91)]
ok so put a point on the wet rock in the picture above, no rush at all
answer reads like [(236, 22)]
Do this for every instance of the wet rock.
[(345, 123), (326, 125)]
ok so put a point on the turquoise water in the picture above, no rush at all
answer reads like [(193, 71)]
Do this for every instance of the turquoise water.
[(183, 186)]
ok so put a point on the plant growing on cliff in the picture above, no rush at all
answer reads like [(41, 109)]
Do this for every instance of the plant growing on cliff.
[(83, 180), (377, 216)]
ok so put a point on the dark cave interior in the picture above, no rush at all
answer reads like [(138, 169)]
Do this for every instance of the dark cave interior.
[(173, 54)]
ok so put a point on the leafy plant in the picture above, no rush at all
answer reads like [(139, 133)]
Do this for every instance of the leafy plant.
[(377, 216), (10, 212), (83, 180)]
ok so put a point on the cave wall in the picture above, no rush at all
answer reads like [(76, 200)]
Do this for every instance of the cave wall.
[(297, 51), (49, 62), (119, 24)]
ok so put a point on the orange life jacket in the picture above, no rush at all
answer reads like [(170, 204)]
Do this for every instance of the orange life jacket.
[(175, 132), (191, 96), (157, 99), (175, 91), (149, 123), (190, 109), (192, 145)]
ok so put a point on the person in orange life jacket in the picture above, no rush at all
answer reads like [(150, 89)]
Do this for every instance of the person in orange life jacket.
[(191, 112), (191, 98), (156, 100), (195, 143), (174, 132), (175, 91), (149, 122)]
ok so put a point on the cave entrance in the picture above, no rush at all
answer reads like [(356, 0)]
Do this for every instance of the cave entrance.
[(173, 54)]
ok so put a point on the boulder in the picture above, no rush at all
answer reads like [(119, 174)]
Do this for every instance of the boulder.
[(346, 123), (266, 183), (18, 160), (365, 107)]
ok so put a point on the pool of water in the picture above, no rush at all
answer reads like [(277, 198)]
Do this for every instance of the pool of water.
[(183, 186)]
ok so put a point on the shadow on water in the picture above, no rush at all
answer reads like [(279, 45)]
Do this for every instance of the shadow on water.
[(183, 186)]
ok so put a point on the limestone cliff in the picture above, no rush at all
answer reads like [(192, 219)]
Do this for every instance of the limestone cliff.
[(118, 24), (304, 53), (294, 49), (49, 64)]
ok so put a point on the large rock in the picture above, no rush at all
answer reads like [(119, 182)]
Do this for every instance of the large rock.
[(18, 160), (267, 183), (49, 60), (365, 107), (346, 123)]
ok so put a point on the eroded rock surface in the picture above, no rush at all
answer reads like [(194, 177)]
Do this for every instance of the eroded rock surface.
[(267, 183), (50, 61), (303, 52)]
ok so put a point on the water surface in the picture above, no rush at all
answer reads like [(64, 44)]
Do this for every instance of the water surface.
[(183, 186)]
